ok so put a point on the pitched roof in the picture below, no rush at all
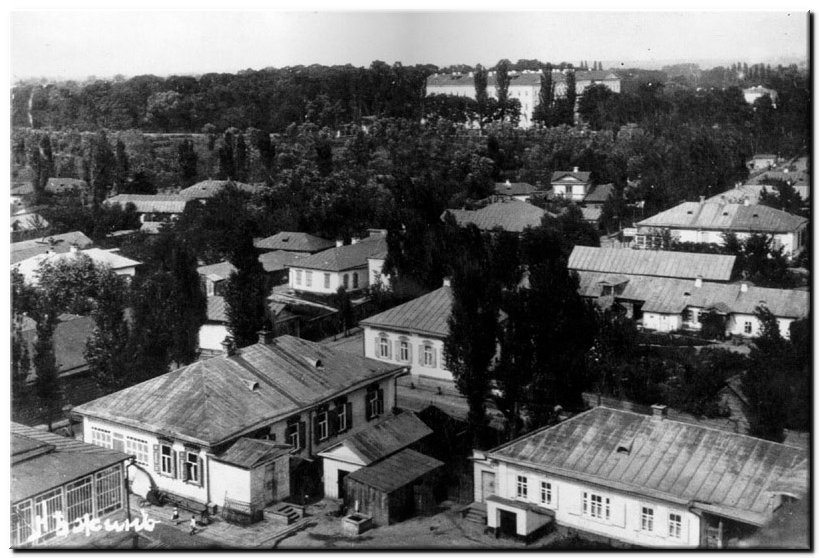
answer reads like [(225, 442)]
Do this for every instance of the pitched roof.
[(599, 193), (727, 217), (294, 242), (385, 438), (56, 243), (514, 188), (209, 188), (27, 221), (344, 257), (216, 309), (217, 271), (592, 213), (157, 203), (43, 460), (657, 263), (250, 452), (714, 470), (214, 400), (510, 215), (425, 315), (516, 78), (62, 185), (30, 267), (70, 336), (582, 176), (665, 295), (396, 471), (279, 260)]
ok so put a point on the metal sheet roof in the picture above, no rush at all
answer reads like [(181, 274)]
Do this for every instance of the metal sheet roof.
[(731, 474), (599, 193), (510, 215), (386, 437), (57, 243), (659, 263), (725, 217), (249, 452), (211, 401), (146, 203), (396, 471), (216, 309), (70, 336), (349, 256), (294, 242), (44, 460), (425, 315), (514, 188), (582, 176)]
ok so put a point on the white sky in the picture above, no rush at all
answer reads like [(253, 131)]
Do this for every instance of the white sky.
[(76, 44)]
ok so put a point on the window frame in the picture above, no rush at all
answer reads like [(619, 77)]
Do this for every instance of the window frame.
[(298, 277), (101, 437), (429, 355), (192, 467), (308, 278), (132, 446), (404, 350), (674, 525), (546, 493), (109, 495), (521, 487), (748, 327), (383, 346), (596, 506), (326, 280), (163, 459), (647, 519), (323, 423)]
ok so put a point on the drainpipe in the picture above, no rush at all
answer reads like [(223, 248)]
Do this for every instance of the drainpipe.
[(134, 537)]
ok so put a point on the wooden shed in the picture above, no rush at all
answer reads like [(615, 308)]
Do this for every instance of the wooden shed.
[(396, 488)]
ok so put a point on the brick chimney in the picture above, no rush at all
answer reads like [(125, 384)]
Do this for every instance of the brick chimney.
[(743, 287), (447, 282), (576, 169), (265, 337), (228, 346), (339, 243), (659, 411)]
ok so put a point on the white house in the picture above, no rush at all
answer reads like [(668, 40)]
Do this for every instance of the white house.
[(412, 334), (751, 94), (344, 265), (122, 266), (183, 426), (57, 243), (705, 222), (152, 208), (638, 479), (573, 185)]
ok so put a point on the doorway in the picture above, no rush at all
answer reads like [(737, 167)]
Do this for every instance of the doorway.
[(341, 476), (507, 523)]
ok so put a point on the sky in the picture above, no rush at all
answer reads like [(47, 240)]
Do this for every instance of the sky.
[(78, 44)]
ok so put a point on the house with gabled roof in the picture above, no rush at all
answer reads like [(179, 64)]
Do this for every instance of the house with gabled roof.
[(119, 264), (152, 209), (706, 222), (521, 191), (573, 185), (285, 390), (57, 243), (413, 333), (642, 480), (293, 242)]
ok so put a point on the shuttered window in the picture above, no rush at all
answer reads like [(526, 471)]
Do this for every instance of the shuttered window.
[(384, 346), (374, 401), (167, 460)]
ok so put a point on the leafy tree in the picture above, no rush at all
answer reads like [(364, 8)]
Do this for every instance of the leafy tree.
[(543, 110), (47, 384), (187, 163), (245, 293), (713, 325), (120, 167), (102, 166), (571, 98), (109, 351), (480, 90), (227, 164), (20, 357), (502, 81), (241, 158), (188, 306), (783, 196)]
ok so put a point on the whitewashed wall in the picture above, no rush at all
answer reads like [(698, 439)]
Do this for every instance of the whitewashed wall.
[(416, 361), (336, 280)]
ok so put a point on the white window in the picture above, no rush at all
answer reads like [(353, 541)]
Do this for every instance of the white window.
[(298, 277), (308, 275), (675, 525), (101, 437), (429, 356), (404, 351), (748, 327), (166, 460), (326, 280), (375, 402), (21, 523), (79, 499), (137, 447), (192, 467), (522, 487), (109, 490), (383, 347), (323, 426), (45, 508), (293, 437), (545, 492), (341, 415), (647, 519), (596, 506), (210, 289), (695, 316)]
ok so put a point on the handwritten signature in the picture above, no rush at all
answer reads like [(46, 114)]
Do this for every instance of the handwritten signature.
[(87, 524)]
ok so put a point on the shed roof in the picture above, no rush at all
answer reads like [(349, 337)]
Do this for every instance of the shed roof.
[(510, 215), (385, 438), (349, 256), (425, 315), (659, 263), (43, 460), (396, 471), (294, 242), (599, 194), (214, 400), (57, 243), (728, 474), (156, 203), (250, 452), (591, 213), (725, 217)]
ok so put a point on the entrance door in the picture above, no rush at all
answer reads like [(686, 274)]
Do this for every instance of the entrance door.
[(341, 476), (507, 523), (487, 484), (270, 483)]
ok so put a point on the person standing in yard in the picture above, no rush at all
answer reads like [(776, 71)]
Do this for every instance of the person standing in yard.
[(175, 516), (193, 525)]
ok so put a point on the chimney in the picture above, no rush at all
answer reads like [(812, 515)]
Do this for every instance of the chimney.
[(339, 243), (74, 248), (576, 169), (743, 287), (746, 202), (508, 184), (698, 282), (265, 337), (228, 346), (447, 282), (354, 240), (702, 199), (659, 411)]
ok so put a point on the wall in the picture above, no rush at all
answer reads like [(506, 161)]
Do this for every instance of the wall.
[(336, 280), (662, 322), (788, 241), (416, 362), (375, 268), (480, 465), (625, 510), (735, 325), (227, 479), (331, 469), (211, 336)]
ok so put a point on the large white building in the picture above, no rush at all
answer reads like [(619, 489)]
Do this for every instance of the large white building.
[(524, 86), (637, 479)]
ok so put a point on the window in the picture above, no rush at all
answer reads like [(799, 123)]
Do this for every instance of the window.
[(298, 277), (323, 426), (404, 351), (326, 280), (596, 506), (137, 447), (294, 433), (355, 280), (192, 467), (545, 492), (79, 499), (344, 415), (45, 506), (695, 316), (647, 519), (748, 327), (522, 487), (429, 356), (209, 287), (383, 347), (374, 401), (21, 523), (308, 276), (109, 490), (101, 437), (166, 460), (675, 525)]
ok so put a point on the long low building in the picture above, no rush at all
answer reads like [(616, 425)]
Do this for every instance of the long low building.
[(654, 263), (639, 479)]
